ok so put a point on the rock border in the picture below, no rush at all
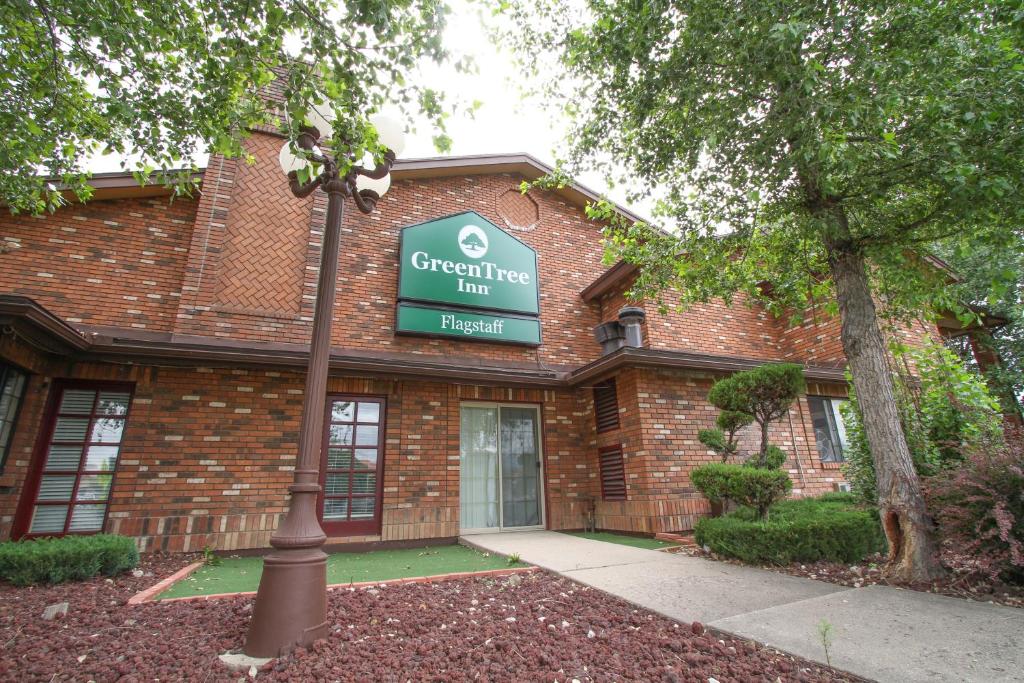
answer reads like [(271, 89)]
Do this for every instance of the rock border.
[(150, 594)]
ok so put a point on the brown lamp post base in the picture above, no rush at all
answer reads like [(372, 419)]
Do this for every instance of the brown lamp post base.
[(291, 605)]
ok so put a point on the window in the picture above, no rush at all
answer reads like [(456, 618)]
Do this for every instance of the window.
[(829, 431), (84, 438), (351, 466), (606, 406), (613, 473), (12, 387)]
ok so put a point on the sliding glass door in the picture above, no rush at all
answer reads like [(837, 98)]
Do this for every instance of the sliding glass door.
[(500, 467)]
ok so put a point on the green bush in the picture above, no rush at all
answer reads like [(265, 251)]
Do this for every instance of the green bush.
[(946, 412), (713, 480), (71, 558), (752, 486), (805, 530)]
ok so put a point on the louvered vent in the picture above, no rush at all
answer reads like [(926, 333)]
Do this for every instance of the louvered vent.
[(606, 406), (613, 473)]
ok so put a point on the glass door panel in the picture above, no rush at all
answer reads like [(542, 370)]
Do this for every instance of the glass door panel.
[(478, 468), (499, 473), (520, 467)]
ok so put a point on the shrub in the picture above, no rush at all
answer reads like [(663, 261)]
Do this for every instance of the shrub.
[(805, 530), (946, 411), (71, 558), (712, 480), (979, 507), (751, 486), (773, 459), (765, 392)]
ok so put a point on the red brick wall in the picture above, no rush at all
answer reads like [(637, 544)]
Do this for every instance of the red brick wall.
[(661, 448), (116, 262), (250, 229), (208, 453), (714, 328)]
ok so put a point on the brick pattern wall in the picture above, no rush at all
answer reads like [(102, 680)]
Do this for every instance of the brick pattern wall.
[(208, 453), (743, 329), (239, 204), (265, 242), (116, 262), (673, 408)]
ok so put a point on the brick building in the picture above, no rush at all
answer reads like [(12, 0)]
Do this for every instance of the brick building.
[(152, 363)]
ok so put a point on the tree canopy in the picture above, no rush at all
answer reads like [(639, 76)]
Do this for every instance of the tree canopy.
[(906, 114), (166, 79), (992, 279), (807, 154)]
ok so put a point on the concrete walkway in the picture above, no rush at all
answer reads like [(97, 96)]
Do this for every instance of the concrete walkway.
[(879, 632)]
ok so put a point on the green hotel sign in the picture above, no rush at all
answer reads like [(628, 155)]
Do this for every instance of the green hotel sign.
[(432, 320), (464, 277)]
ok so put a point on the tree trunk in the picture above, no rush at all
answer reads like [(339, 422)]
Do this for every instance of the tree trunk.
[(913, 552), (762, 455)]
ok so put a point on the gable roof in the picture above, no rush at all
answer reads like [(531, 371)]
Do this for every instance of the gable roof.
[(122, 184)]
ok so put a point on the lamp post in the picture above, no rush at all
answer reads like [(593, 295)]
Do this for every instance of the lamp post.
[(291, 604)]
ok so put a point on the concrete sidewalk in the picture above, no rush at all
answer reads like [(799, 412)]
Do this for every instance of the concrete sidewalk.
[(878, 632)]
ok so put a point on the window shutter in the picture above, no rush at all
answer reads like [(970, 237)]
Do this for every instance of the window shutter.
[(613, 473), (606, 406)]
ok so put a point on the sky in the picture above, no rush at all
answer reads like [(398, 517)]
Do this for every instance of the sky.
[(503, 123)]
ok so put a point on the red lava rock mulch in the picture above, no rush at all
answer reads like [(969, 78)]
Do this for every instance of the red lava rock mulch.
[(963, 580), (528, 627)]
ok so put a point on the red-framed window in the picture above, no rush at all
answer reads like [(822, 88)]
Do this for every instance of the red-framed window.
[(613, 473), (82, 437), (352, 465)]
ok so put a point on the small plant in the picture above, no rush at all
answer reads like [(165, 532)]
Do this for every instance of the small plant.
[(979, 507), (825, 635), (804, 530), (211, 558), (513, 558)]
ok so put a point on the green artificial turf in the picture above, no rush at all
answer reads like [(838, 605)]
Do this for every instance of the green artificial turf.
[(622, 539), (236, 574)]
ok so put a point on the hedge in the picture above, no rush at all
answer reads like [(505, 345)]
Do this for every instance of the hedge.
[(806, 530), (71, 558)]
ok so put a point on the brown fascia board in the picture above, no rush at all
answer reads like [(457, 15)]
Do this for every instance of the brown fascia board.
[(950, 326), (121, 184), (607, 281), (103, 343), (190, 350), (523, 164), (38, 325), (642, 357)]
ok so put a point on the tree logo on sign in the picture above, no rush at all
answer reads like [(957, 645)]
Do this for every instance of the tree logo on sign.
[(472, 241)]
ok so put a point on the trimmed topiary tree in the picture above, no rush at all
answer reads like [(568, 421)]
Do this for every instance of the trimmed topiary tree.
[(755, 487), (722, 439), (764, 393)]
